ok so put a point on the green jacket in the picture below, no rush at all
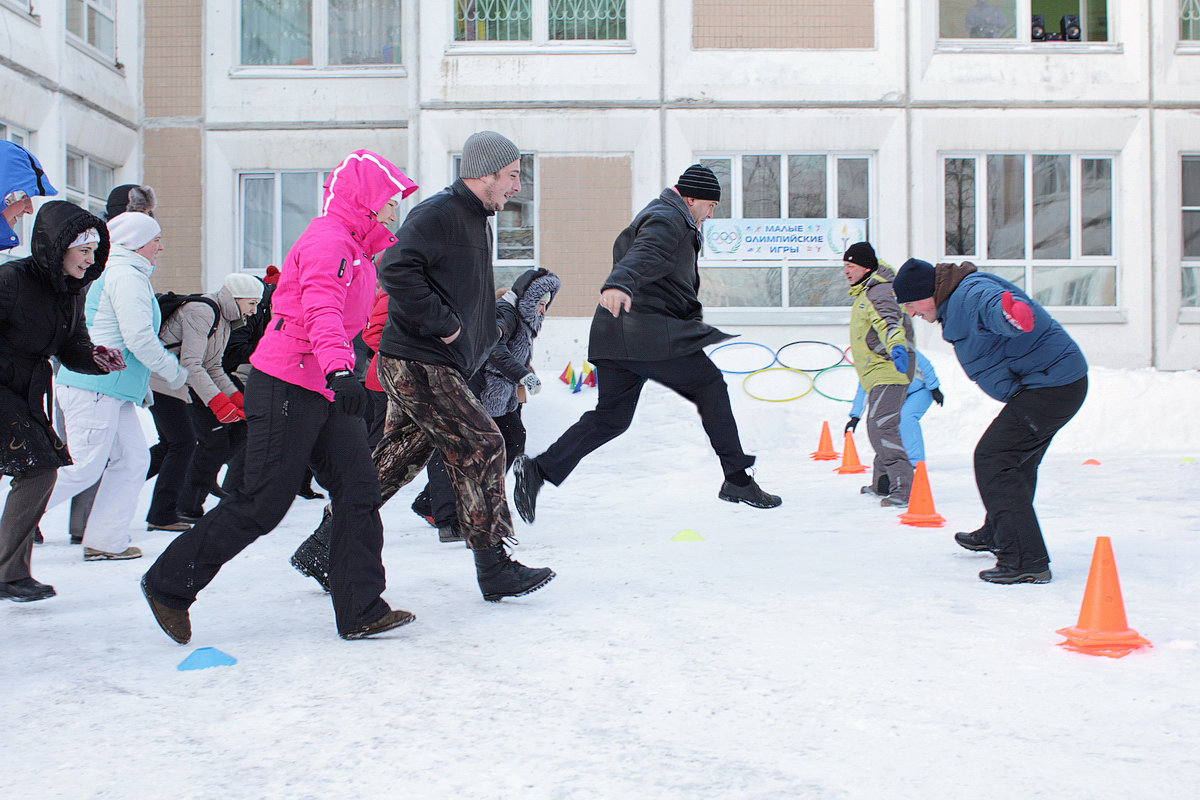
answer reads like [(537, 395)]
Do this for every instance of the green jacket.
[(877, 324)]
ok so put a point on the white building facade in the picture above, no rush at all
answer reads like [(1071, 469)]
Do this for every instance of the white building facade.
[(948, 130)]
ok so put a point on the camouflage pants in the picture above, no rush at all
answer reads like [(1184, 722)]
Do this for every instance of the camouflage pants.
[(430, 406)]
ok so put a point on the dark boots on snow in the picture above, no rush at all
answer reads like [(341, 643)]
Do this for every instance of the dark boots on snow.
[(500, 576), (312, 556), (393, 618), (528, 482), (975, 541), (1006, 575), (750, 494)]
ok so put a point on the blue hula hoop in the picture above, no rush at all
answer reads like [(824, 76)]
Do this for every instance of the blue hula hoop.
[(743, 344)]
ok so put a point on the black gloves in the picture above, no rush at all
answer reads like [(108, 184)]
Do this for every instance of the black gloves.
[(938, 397), (349, 396), (852, 425)]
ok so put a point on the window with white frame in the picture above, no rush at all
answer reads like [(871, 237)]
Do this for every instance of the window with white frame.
[(539, 20), (514, 232), (325, 33), (1191, 230), (88, 182), (1189, 20), (1033, 21), (274, 209), (93, 21), (776, 238), (1043, 221)]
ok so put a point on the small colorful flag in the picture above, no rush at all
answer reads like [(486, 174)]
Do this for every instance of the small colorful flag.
[(568, 375)]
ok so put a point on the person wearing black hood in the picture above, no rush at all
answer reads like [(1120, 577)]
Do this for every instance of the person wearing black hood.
[(649, 326), (41, 315)]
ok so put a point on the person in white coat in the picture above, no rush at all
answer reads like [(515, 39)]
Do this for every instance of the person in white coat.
[(106, 436)]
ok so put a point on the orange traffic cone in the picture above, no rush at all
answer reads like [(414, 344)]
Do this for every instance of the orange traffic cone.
[(850, 462), (921, 512), (825, 451), (1102, 629)]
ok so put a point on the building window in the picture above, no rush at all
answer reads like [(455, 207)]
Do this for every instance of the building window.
[(514, 232), (1042, 221), (275, 208), (333, 33), (1189, 20), (88, 182), (20, 136), (1008, 19), (92, 21), (539, 20), (1191, 231), (777, 236)]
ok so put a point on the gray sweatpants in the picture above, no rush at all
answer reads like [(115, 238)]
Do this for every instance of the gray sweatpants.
[(883, 429), (27, 497)]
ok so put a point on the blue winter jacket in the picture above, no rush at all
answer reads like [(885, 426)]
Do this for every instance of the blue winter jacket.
[(995, 354), (924, 378), (19, 170)]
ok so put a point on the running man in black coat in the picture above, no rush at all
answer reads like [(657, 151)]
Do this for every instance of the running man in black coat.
[(649, 326)]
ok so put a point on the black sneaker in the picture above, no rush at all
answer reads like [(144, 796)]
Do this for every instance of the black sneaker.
[(499, 576), (26, 590), (175, 623), (308, 494), (999, 574), (750, 494), (450, 533), (394, 618), (974, 541), (528, 482), (422, 506)]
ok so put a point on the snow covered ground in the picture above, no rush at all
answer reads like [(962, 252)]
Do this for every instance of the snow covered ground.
[(817, 650)]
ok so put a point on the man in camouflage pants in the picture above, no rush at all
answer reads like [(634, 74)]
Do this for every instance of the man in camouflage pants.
[(440, 330)]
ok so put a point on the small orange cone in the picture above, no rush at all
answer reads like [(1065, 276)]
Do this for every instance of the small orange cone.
[(1102, 629), (850, 463), (824, 451), (1091, 462), (921, 512)]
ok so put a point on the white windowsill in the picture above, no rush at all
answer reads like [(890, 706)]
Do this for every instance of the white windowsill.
[(22, 10), (777, 316), (1088, 316), (538, 48), (1188, 48), (1027, 48), (309, 71), (96, 54), (1189, 316)]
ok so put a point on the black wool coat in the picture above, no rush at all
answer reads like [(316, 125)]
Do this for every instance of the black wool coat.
[(41, 315), (654, 262)]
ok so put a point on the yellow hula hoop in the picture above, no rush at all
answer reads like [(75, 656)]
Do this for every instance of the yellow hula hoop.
[(746, 381)]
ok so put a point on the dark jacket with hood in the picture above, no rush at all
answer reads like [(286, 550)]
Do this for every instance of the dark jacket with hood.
[(41, 315), (654, 262), (438, 276)]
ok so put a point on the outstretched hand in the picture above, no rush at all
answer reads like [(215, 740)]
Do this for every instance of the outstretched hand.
[(614, 301)]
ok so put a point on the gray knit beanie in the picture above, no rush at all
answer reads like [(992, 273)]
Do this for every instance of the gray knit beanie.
[(485, 153)]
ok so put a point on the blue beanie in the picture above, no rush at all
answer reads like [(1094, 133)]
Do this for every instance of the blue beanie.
[(914, 281)]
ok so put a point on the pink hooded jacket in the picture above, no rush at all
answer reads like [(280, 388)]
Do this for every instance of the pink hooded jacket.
[(327, 283)]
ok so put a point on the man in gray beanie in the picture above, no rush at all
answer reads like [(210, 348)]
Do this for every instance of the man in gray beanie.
[(649, 326), (440, 330)]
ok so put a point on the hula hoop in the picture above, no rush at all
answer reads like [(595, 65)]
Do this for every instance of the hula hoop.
[(744, 344), (847, 356), (817, 389), (779, 355), (746, 381)]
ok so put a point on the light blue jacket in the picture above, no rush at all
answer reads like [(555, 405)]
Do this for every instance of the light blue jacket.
[(122, 312), (924, 378)]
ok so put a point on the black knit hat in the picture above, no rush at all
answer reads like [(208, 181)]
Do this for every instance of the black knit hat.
[(698, 181), (914, 281), (862, 254)]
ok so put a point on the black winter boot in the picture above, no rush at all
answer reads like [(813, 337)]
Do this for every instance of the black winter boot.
[(500, 576), (312, 556), (976, 541), (750, 494), (528, 482), (422, 506)]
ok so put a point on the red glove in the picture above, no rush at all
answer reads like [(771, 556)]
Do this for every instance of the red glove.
[(238, 400), (1017, 312), (108, 359), (224, 409)]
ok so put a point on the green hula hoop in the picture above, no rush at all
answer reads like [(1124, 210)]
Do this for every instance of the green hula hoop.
[(746, 381), (830, 397)]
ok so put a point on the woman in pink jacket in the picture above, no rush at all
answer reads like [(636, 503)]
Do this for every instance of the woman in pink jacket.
[(304, 406)]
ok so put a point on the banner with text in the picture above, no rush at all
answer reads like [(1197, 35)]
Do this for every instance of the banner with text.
[(781, 239)]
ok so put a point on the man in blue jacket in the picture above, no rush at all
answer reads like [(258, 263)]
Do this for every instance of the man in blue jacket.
[(21, 179), (1019, 355)]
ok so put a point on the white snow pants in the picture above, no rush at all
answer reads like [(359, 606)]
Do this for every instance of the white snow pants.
[(106, 443)]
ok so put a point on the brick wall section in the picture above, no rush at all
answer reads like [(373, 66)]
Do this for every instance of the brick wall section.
[(585, 202), (783, 24), (173, 58), (172, 167)]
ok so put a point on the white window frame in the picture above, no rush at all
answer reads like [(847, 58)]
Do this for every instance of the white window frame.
[(735, 203), (540, 35), (24, 7), (84, 196), (279, 252), (80, 39), (1029, 262), (1024, 41), (320, 48), (1186, 262)]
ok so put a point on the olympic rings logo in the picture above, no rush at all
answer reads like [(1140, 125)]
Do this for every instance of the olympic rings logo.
[(809, 358), (723, 240)]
